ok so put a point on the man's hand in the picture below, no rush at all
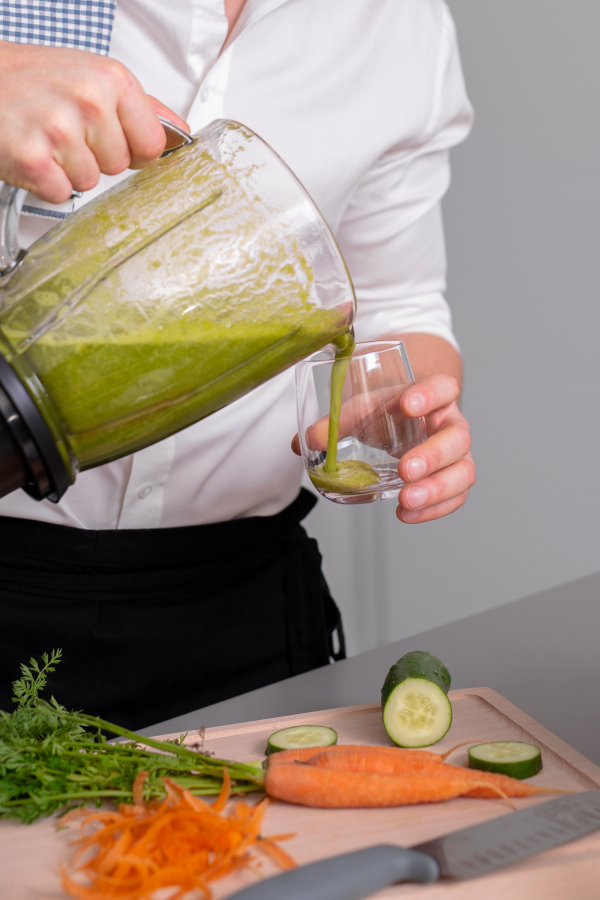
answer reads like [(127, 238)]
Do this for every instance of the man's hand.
[(68, 116), (440, 472)]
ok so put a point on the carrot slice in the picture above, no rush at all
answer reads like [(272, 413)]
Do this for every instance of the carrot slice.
[(223, 797)]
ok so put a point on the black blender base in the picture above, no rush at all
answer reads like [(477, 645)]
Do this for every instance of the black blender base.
[(29, 458), (13, 466)]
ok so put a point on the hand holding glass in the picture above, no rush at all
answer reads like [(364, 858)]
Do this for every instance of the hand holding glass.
[(357, 461)]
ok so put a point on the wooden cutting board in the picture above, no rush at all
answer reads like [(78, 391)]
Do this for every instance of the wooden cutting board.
[(30, 854)]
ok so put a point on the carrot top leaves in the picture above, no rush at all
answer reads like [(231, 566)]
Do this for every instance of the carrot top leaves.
[(52, 759)]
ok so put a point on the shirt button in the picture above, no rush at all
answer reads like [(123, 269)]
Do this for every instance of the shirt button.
[(204, 92), (145, 492)]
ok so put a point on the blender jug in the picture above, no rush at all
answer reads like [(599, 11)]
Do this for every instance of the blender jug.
[(162, 300)]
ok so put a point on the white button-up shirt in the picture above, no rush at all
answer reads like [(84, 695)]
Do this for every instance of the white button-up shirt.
[(363, 100)]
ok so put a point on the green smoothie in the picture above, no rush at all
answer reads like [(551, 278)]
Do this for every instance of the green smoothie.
[(352, 475), (101, 390), (165, 299)]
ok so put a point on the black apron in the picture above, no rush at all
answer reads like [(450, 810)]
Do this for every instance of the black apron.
[(155, 623)]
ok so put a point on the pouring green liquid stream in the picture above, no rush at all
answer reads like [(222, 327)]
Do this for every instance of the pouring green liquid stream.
[(351, 475)]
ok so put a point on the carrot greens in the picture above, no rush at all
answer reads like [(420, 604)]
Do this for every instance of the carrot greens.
[(53, 759)]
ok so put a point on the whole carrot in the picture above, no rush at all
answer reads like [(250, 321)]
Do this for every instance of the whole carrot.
[(513, 787), (306, 754), (387, 761), (309, 785)]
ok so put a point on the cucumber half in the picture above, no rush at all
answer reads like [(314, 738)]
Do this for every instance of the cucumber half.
[(415, 706), (298, 736), (514, 758)]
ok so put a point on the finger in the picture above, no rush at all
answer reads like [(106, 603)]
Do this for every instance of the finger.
[(429, 394), (161, 110), (106, 139), (79, 164), (38, 172), (450, 482), (63, 142), (363, 416), (53, 185), (117, 148), (418, 517), (448, 445), (144, 134), (316, 435)]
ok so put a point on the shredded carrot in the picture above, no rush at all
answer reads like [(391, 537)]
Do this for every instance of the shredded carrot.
[(181, 842)]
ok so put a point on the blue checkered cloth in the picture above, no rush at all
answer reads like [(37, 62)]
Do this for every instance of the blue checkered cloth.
[(82, 24)]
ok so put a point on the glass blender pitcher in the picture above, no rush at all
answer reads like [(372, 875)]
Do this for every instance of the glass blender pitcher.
[(162, 300)]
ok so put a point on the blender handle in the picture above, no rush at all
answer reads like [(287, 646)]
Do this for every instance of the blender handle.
[(13, 198), (176, 136), (11, 204)]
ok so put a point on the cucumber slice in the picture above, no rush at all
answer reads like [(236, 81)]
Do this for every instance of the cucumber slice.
[(297, 736), (415, 706), (514, 758)]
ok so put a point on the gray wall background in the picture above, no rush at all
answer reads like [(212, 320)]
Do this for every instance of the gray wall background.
[(522, 233)]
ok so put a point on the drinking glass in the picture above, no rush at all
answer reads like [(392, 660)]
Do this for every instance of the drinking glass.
[(359, 463)]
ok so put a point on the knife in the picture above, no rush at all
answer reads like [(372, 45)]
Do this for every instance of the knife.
[(467, 853)]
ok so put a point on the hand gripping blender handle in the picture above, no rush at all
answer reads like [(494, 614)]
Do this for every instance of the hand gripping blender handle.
[(13, 198), (347, 877)]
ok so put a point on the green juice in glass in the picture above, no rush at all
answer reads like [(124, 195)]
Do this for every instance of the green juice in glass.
[(352, 475)]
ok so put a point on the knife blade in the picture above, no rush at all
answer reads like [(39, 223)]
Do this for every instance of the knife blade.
[(468, 853)]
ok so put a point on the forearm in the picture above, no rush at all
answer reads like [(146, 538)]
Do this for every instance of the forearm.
[(429, 355), (432, 355)]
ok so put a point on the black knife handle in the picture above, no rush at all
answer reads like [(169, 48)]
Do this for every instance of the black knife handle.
[(350, 876)]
